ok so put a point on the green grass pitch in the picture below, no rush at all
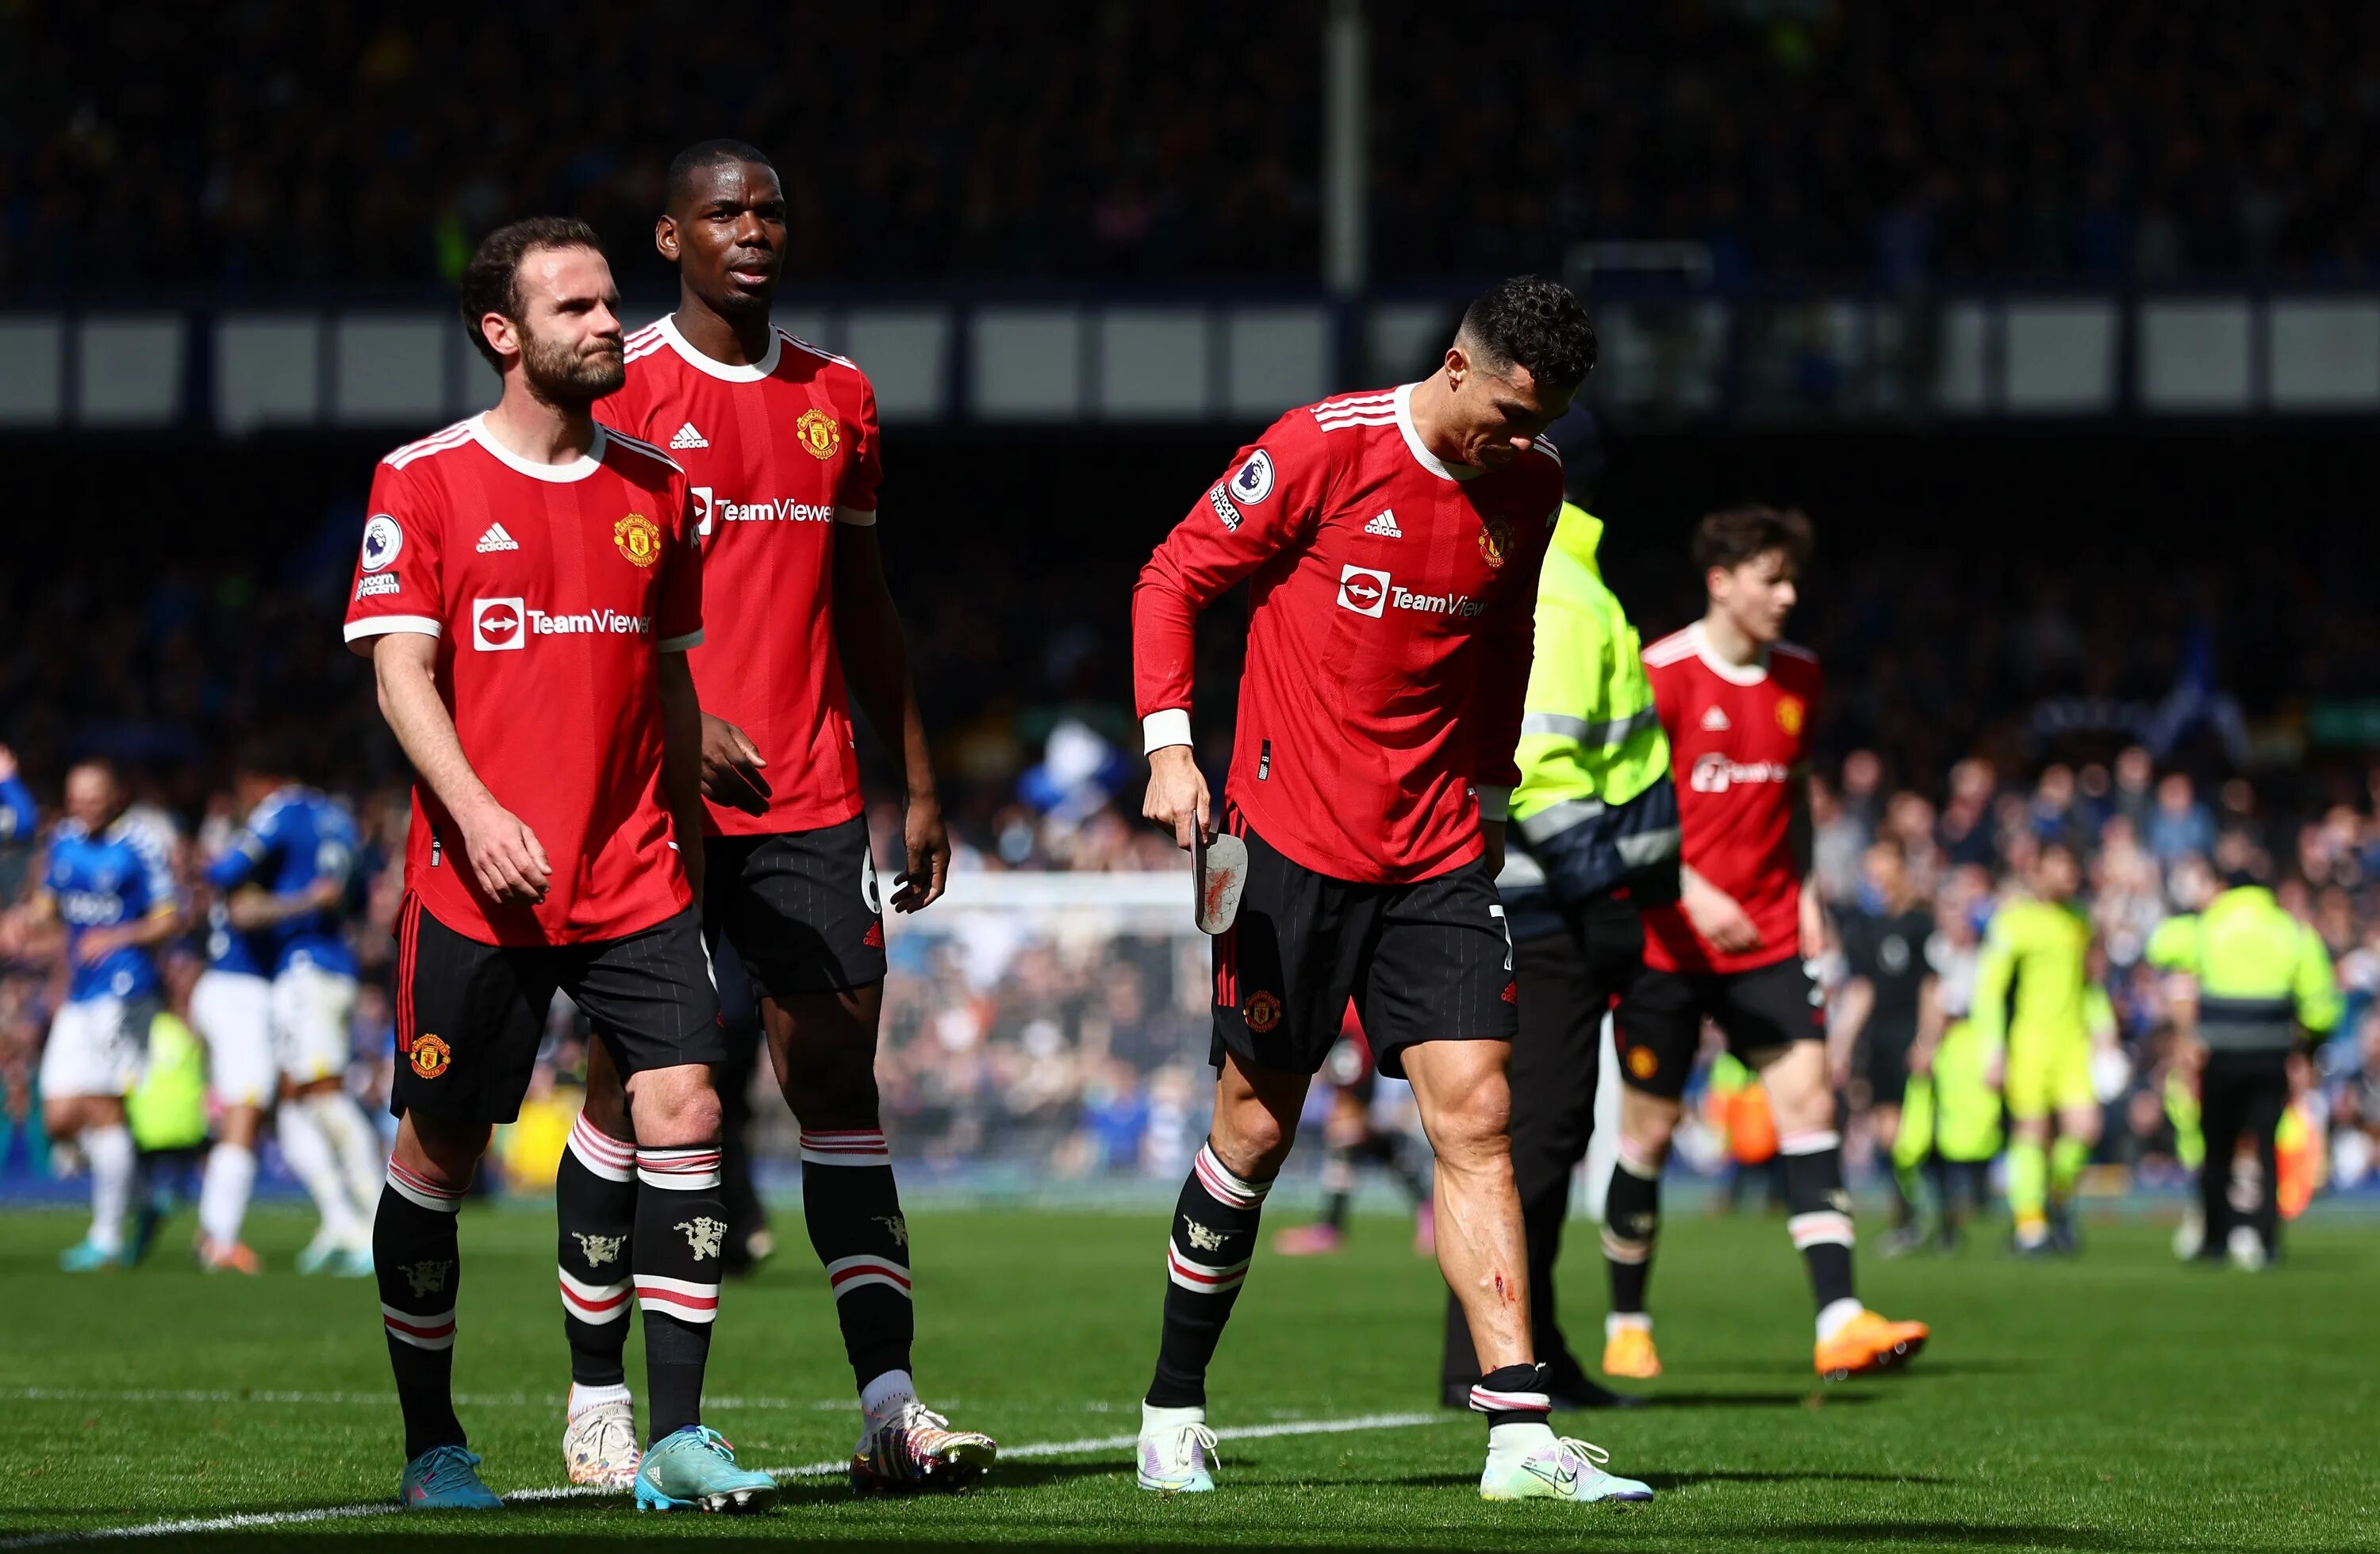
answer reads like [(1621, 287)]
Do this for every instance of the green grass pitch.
[(2114, 1402)]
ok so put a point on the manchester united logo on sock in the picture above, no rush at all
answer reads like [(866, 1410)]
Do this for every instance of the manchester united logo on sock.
[(704, 1234), (599, 1249), (427, 1277)]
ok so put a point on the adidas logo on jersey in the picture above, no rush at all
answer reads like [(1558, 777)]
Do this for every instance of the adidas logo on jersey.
[(688, 438), (497, 539), (1714, 722), (1385, 525)]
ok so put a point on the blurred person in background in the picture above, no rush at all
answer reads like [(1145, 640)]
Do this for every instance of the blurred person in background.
[(1361, 1126), (2260, 978), (1949, 1124), (284, 879), (108, 898), (1738, 704), (2031, 1004), (1888, 1001)]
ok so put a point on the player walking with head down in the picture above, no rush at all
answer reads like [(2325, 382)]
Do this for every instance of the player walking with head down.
[(1391, 543), (780, 442), (1738, 703), (527, 590)]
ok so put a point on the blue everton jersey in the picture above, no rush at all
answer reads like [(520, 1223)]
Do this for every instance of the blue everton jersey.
[(237, 951), (296, 839), (120, 876)]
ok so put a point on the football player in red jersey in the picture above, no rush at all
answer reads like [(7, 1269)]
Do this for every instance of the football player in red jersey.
[(1390, 542), (779, 443), (527, 589), (1738, 703)]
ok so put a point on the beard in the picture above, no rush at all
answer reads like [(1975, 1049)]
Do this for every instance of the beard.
[(564, 374)]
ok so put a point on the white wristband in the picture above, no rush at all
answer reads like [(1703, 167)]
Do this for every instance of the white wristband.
[(1495, 800), (1167, 725)]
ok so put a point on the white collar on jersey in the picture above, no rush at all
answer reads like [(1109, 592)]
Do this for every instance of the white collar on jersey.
[(1733, 674), (579, 468), (1422, 455), (720, 370)]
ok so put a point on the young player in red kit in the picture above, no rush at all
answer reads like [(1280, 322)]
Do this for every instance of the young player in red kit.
[(1738, 704), (1390, 542), (528, 589), (780, 443)]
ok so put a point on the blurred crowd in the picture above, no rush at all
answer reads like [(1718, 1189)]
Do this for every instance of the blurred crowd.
[(1978, 704), (2153, 844), (272, 145)]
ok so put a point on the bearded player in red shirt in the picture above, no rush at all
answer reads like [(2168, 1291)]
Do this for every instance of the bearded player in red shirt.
[(780, 443), (1738, 703), (528, 589), (1390, 542)]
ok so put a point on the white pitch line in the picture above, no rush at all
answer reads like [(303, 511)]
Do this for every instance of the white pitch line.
[(807, 1470)]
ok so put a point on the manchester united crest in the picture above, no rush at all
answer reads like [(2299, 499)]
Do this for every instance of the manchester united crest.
[(430, 1056), (1642, 1062), (1789, 713), (639, 539), (819, 432), (1263, 1012), (1495, 541)]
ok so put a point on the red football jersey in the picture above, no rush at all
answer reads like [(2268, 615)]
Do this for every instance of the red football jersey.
[(777, 454), (1390, 610), (1737, 738), (552, 589)]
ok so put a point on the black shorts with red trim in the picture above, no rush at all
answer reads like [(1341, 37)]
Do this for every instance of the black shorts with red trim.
[(1658, 1025), (471, 1016), (803, 909), (1426, 961)]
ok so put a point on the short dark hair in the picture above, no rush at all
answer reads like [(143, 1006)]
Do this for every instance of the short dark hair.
[(1727, 539), (702, 154), (491, 281), (1533, 323)]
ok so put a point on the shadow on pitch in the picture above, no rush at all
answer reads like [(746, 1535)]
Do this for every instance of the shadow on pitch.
[(1924, 1366)]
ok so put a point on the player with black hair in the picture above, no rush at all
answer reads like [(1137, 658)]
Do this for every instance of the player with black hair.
[(781, 443), (1390, 542)]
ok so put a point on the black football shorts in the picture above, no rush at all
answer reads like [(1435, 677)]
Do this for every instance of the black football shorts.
[(804, 908), (471, 1016), (1658, 1025), (1424, 962)]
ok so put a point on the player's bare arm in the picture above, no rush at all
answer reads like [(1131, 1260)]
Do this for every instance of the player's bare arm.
[(1929, 1027), (682, 763), (876, 668), (504, 855), (263, 909), (1851, 1009), (1176, 797), (732, 766)]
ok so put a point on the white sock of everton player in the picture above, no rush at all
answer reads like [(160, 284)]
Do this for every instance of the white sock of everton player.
[(353, 1146), (223, 1189), (112, 1162), (595, 1202), (1205, 1261), (853, 1209), (680, 1234), (309, 1157)]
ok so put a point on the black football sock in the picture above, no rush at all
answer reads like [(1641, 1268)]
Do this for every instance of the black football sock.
[(1206, 1260), (1512, 1395), (595, 1199), (680, 1237), (853, 1209), (419, 1269), (1818, 1212), (1632, 1222), (1338, 1183)]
